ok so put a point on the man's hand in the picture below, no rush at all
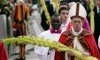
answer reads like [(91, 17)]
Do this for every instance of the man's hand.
[(85, 54)]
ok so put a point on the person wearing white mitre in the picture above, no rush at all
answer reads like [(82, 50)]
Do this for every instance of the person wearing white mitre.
[(77, 37)]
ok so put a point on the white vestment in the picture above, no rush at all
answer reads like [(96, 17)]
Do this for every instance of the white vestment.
[(43, 51), (3, 26), (76, 44), (34, 24)]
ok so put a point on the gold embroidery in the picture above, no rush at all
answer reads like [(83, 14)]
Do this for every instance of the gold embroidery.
[(80, 38)]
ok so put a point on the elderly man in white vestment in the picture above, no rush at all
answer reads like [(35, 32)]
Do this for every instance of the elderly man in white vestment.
[(77, 37), (53, 33)]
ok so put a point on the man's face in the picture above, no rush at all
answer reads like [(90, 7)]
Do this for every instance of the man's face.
[(64, 15), (56, 24), (77, 24), (98, 3)]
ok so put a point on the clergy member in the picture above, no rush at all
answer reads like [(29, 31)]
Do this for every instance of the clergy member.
[(53, 33), (77, 37)]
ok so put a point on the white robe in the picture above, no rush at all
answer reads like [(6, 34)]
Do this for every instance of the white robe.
[(43, 51), (77, 45), (3, 26), (34, 24)]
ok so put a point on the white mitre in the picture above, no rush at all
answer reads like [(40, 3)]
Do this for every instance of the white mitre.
[(20, 1), (77, 10)]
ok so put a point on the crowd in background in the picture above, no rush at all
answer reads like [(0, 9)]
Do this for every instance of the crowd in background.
[(19, 17)]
